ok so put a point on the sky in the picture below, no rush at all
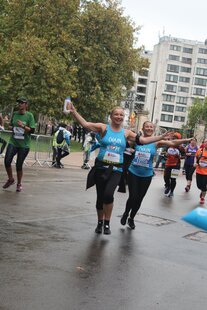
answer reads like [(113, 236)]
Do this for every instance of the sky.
[(182, 19)]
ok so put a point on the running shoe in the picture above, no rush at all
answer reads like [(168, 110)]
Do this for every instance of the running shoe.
[(19, 188), (8, 183), (99, 229), (167, 189), (131, 223), (170, 194), (58, 166), (107, 230), (187, 188), (124, 219)]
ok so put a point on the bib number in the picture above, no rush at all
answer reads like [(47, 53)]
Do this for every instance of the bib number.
[(112, 158), (203, 164), (141, 159), (19, 133), (174, 173)]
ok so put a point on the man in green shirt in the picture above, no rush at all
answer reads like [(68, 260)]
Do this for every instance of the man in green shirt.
[(22, 125)]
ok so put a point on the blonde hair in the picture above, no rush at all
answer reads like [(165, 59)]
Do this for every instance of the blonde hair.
[(146, 123), (116, 108)]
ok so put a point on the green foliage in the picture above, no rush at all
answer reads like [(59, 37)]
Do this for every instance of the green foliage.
[(197, 113), (55, 48)]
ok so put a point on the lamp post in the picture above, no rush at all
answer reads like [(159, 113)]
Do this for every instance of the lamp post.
[(153, 107)]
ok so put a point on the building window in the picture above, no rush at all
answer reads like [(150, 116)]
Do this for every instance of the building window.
[(187, 50), (170, 88), (199, 91), (182, 100), (141, 89), (175, 48), (183, 89), (201, 82), (179, 119), (172, 78), (201, 71), (166, 118), (184, 79), (168, 108), (185, 69), (180, 109), (174, 57), (186, 60), (202, 50), (140, 98), (168, 98), (173, 68), (202, 61), (142, 81)]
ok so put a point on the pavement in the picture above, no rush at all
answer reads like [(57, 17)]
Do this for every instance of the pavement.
[(51, 259)]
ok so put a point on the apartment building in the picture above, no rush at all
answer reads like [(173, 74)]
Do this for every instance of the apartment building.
[(176, 76)]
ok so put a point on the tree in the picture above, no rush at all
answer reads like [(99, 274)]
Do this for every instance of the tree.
[(197, 113), (55, 48)]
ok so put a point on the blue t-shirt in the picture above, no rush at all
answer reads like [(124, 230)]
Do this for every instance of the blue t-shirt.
[(112, 147), (142, 164)]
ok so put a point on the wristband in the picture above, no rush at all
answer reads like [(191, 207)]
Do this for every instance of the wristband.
[(137, 139)]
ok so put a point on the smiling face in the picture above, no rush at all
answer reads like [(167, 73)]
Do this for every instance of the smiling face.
[(117, 116), (148, 129)]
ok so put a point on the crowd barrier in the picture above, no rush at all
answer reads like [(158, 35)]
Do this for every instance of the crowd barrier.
[(40, 151)]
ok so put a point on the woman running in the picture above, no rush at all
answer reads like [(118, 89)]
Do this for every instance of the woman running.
[(189, 167), (201, 171), (109, 161), (22, 125), (141, 173)]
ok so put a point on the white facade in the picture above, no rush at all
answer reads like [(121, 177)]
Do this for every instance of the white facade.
[(177, 75)]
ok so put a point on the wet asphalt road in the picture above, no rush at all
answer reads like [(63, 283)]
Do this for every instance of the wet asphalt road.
[(50, 257)]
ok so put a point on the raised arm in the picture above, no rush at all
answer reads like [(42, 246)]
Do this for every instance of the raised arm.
[(131, 136), (172, 143), (96, 127)]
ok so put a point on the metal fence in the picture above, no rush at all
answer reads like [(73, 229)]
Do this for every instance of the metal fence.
[(40, 151)]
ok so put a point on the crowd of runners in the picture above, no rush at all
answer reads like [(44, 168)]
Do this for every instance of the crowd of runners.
[(111, 169)]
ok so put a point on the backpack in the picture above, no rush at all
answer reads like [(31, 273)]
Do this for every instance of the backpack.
[(60, 136)]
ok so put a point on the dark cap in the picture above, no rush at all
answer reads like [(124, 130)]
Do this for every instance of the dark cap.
[(22, 99)]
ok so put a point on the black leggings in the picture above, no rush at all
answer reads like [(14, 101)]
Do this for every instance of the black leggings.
[(105, 188), (138, 187), (201, 181), (189, 170), (11, 152), (170, 182), (3, 145)]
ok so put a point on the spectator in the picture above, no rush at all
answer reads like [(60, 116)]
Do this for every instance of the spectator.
[(61, 142)]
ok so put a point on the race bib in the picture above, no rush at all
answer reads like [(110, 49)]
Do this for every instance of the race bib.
[(112, 158), (203, 163), (141, 159), (19, 133), (174, 173)]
